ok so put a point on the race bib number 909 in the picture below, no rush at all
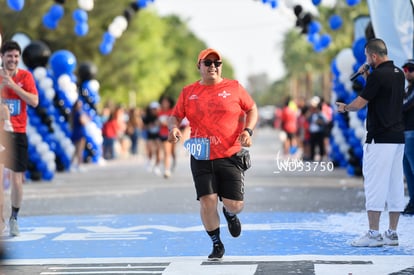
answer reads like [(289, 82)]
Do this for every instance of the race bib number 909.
[(199, 148)]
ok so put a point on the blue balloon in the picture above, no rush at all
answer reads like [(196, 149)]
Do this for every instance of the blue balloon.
[(358, 49), (108, 38), (47, 175), (314, 27), (81, 29), (316, 2), (358, 151), (350, 169), (313, 38), (335, 22), (80, 15), (317, 47), (142, 3), (49, 23), (16, 5), (62, 62), (56, 12), (325, 40), (273, 4), (362, 114), (105, 48), (334, 68), (352, 2)]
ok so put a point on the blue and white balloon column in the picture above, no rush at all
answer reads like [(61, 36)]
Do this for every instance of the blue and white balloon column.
[(89, 94), (40, 131), (348, 133)]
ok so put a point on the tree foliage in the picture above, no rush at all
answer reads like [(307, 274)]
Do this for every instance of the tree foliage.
[(299, 57)]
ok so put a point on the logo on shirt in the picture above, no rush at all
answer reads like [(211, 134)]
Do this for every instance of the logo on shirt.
[(224, 94), (193, 97)]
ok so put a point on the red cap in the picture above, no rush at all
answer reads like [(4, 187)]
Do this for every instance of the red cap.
[(204, 53)]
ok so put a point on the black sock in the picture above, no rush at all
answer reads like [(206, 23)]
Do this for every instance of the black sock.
[(14, 212), (215, 235)]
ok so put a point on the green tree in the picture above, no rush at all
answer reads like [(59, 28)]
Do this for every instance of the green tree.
[(309, 69)]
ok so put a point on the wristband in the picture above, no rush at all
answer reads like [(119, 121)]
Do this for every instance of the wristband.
[(250, 131)]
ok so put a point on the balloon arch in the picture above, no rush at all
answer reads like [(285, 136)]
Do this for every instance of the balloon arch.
[(50, 146)]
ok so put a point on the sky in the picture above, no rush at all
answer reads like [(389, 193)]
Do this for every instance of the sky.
[(248, 33)]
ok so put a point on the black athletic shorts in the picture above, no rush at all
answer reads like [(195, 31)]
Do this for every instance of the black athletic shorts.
[(15, 156), (219, 176)]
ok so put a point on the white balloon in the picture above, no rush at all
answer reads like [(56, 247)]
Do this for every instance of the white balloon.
[(36, 139), (21, 39), (72, 96), (51, 166), (94, 85), (121, 22), (42, 148), (344, 147), (86, 4), (360, 132), (50, 93), (46, 83), (114, 30), (40, 73), (64, 80), (348, 85), (345, 61)]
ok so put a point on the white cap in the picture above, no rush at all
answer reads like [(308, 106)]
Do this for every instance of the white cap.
[(154, 105)]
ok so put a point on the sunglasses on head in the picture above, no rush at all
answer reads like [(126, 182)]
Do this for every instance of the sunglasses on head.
[(408, 69), (208, 63)]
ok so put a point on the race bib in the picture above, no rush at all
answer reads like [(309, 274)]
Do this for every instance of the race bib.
[(199, 148), (13, 105)]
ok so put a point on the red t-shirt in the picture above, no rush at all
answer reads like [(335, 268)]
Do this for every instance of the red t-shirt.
[(17, 106), (289, 119), (110, 129), (216, 112), (163, 118)]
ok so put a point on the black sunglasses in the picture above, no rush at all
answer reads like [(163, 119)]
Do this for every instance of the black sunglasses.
[(208, 63), (408, 69)]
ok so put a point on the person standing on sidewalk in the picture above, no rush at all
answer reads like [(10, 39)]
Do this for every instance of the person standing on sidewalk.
[(222, 116), (384, 146), (408, 163), (18, 91)]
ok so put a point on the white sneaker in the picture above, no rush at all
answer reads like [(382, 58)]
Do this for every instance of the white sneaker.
[(157, 171), (14, 227), (368, 240), (391, 239), (167, 174)]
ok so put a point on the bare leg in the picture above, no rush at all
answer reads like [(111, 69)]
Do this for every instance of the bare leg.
[(209, 213), (232, 206), (374, 219), (394, 217), (17, 189)]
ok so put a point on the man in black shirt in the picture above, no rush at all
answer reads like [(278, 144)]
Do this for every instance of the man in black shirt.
[(384, 146)]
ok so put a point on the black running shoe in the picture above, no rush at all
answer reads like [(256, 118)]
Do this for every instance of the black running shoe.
[(233, 223), (217, 253)]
